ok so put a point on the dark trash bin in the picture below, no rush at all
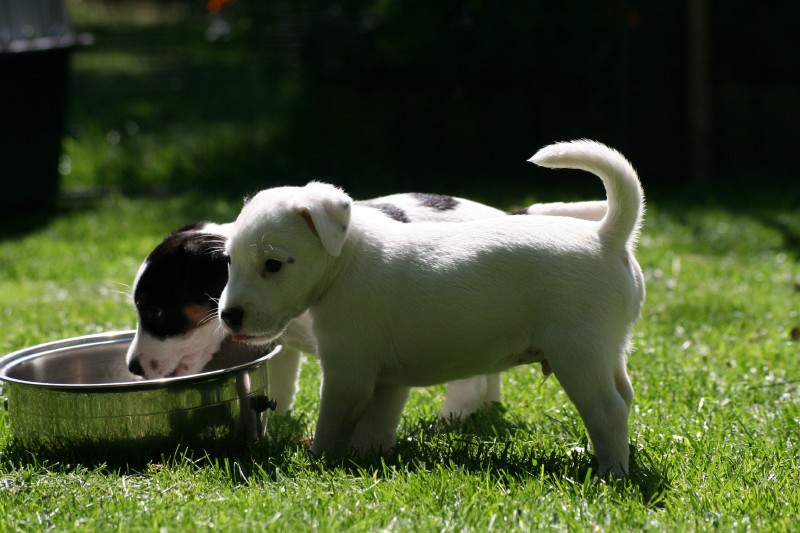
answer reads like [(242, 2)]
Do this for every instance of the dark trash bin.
[(35, 44)]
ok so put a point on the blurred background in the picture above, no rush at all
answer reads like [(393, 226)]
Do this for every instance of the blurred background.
[(380, 96)]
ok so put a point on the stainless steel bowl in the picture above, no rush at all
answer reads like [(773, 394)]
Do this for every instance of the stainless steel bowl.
[(76, 395)]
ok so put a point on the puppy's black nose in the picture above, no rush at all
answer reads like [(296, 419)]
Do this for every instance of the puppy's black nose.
[(233, 316), (135, 367)]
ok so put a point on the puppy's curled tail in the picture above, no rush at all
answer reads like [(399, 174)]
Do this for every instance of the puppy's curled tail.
[(620, 226)]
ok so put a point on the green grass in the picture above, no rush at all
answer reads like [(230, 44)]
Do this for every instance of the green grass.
[(716, 419), (714, 428)]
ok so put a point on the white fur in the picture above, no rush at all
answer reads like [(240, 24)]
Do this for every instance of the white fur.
[(591, 210), (399, 305), (176, 356)]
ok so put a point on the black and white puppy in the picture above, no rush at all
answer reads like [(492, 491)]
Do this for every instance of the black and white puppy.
[(177, 288)]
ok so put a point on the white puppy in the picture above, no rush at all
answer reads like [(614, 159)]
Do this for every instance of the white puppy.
[(400, 305)]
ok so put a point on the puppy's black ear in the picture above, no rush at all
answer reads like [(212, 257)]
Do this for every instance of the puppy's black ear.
[(205, 266)]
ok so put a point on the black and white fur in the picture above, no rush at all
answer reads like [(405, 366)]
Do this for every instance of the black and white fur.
[(178, 285)]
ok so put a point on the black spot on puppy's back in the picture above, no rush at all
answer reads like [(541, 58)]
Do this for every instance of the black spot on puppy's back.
[(438, 202), (390, 210)]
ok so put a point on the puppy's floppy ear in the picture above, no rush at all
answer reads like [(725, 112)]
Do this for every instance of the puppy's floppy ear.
[(326, 209)]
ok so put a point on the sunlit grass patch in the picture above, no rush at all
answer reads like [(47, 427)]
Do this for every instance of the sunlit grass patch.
[(713, 430)]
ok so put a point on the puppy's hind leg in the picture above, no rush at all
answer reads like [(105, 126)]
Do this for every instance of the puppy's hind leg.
[(604, 406), (466, 396), (376, 429), (623, 383)]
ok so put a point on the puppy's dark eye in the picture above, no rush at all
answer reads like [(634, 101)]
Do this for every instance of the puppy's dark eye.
[(272, 265), (153, 312)]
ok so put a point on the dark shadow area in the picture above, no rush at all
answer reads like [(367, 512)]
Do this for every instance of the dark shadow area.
[(284, 437), (770, 202), (450, 98), (485, 443), (789, 232), (17, 224), (460, 94)]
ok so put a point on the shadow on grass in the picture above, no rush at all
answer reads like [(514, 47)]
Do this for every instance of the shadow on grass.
[(790, 233), (486, 443), (17, 224), (282, 442)]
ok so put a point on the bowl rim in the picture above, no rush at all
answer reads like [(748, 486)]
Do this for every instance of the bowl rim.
[(24, 355)]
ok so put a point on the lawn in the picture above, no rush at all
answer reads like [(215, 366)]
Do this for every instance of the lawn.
[(716, 418), (714, 427)]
